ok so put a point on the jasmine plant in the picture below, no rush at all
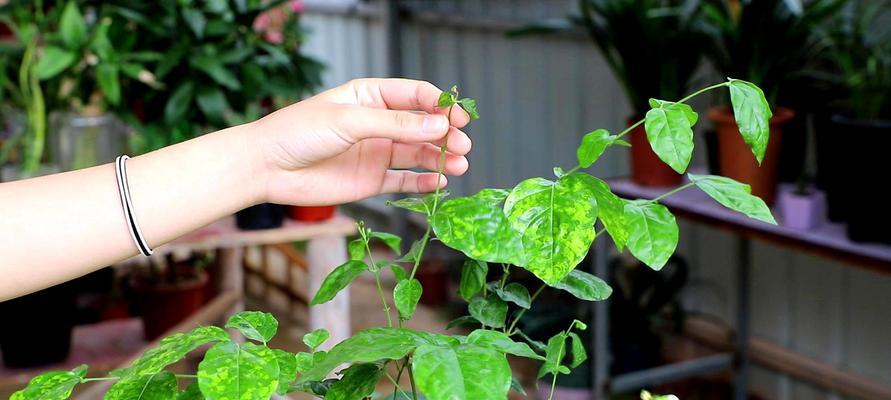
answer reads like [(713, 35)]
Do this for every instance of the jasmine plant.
[(545, 226)]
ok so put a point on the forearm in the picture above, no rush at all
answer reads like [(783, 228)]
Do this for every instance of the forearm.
[(59, 227)]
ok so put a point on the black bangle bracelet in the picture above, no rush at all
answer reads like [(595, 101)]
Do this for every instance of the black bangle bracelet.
[(120, 170)]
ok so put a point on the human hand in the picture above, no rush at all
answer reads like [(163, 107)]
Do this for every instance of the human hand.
[(358, 140)]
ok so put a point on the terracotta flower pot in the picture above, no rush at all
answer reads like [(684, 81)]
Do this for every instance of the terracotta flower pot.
[(311, 214), (738, 162), (646, 167), (165, 305)]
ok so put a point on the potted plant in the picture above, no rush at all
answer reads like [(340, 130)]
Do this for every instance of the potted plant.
[(170, 290), (224, 63), (801, 206), (79, 68), (860, 74), (46, 320), (653, 48), (769, 43), (311, 213), (545, 226)]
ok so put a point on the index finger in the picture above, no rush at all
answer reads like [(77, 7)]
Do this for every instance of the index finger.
[(405, 94)]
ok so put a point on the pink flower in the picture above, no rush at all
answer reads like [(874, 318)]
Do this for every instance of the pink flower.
[(296, 6), (274, 37)]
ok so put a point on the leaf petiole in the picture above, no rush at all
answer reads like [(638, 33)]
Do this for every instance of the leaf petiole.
[(671, 192)]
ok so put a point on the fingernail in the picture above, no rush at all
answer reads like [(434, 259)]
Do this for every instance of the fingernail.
[(434, 124)]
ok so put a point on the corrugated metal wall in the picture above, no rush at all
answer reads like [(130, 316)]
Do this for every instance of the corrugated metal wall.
[(538, 95)]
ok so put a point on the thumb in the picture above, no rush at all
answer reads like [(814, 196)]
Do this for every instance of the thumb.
[(356, 123)]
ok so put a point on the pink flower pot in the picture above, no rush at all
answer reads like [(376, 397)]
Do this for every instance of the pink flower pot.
[(802, 212)]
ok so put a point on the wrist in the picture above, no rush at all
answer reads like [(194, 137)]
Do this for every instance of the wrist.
[(248, 162)]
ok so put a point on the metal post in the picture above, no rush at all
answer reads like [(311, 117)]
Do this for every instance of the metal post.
[(744, 272), (601, 325)]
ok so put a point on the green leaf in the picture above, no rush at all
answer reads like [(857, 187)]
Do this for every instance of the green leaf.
[(585, 286), (192, 392), (477, 227), (195, 20), (287, 370), (579, 354), (460, 321), (304, 361), (414, 252), (554, 355), (692, 116), (555, 221), (752, 113), (357, 249), (734, 195), (101, 44), (172, 349), (654, 233), (446, 100), (469, 105), (466, 371), (403, 395), (422, 205), (398, 271), (72, 27), (473, 278), (358, 382), (593, 145), (254, 325), (516, 386), (489, 311), (392, 241), (499, 341), (611, 210), (406, 296), (670, 134), (367, 346), (53, 61), (212, 102), (107, 78), (514, 293), (159, 386), (315, 338), (233, 371), (56, 385), (215, 69), (318, 388), (339, 279), (179, 102)]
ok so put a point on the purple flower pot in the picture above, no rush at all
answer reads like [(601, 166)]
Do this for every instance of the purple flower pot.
[(564, 393), (802, 212)]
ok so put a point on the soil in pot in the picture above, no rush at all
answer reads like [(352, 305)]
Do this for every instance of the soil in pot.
[(44, 321), (737, 160), (311, 214), (260, 216), (646, 167), (862, 176), (165, 304)]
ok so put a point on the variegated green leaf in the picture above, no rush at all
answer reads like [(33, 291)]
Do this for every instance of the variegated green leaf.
[(555, 221), (254, 325), (477, 227), (465, 371), (654, 233), (233, 371), (160, 386), (56, 385)]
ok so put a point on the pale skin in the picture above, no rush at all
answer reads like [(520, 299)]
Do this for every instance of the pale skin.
[(351, 142)]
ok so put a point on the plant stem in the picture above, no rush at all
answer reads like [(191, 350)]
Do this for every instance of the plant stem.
[(573, 169), (683, 100), (440, 169), (671, 192), (553, 386), (703, 90), (504, 277), (186, 376), (106, 378), (396, 384), (510, 331), (377, 281), (398, 377), (411, 378)]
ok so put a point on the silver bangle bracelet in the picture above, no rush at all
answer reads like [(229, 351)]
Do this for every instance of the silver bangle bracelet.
[(120, 169)]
